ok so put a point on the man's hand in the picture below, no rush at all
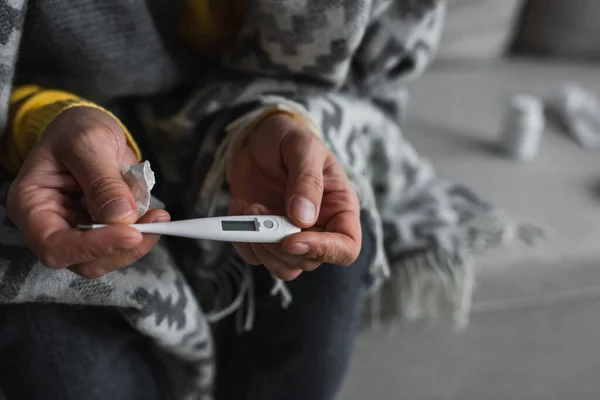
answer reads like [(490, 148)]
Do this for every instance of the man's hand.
[(286, 170), (80, 153)]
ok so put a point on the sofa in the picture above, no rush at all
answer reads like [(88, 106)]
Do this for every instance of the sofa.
[(534, 326)]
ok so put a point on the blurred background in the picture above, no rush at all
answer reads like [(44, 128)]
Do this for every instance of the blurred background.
[(535, 325)]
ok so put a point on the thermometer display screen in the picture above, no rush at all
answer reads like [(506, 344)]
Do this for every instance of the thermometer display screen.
[(238, 225)]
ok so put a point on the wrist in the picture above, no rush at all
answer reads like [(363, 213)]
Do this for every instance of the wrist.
[(88, 120), (244, 127), (114, 124), (33, 109)]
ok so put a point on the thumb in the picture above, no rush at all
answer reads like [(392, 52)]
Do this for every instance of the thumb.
[(304, 156), (107, 195)]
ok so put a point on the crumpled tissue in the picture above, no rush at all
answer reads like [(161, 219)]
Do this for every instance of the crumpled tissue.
[(140, 179)]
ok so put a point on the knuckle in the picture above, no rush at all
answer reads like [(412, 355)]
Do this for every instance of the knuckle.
[(297, 135), (310, 265), (311, 140), (280, 123), (49, 260), (316, 254), (350, 197), (91, 272), (286, 274), (102, 186), (69, 255), (311, 178), (343, 261), (289, 276), (138, 253), (346, 262), (319, 256), (334, 254), (348, 257), (74, 254)]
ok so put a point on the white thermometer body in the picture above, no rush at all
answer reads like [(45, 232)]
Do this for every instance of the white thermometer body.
[(243, 229)]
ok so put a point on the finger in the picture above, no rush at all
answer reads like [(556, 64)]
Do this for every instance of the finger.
[(102, 266), (38, 190), (302, 262), (335, 246), (94, 162), (304, 156), (44, 216), (237, 207), (39, 172), (59, 246), (245, 249), (246, 253), (340, 241), (276, 266)]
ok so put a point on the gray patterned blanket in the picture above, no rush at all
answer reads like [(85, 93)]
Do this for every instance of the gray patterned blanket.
[(347, 64)]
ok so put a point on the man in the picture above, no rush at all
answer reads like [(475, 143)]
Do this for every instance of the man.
[(279, 107)]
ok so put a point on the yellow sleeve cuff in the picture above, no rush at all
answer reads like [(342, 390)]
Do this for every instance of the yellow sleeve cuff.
[(32, 109)]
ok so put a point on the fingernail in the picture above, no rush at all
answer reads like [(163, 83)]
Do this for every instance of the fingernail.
[(304, 209), (299, 249), (116, 210)]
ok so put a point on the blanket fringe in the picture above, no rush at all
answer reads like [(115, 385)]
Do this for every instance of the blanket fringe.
[(425, 284), (243, 305)]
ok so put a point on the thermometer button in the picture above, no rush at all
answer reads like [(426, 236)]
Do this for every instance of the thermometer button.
[(268, 224)]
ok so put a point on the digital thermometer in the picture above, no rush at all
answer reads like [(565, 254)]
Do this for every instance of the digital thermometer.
[(243, 229)]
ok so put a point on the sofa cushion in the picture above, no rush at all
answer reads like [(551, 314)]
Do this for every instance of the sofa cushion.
[(454, 119), (478, 29), (560, 28)]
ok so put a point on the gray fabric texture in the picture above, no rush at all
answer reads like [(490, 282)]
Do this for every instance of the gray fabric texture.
[(348, 65)]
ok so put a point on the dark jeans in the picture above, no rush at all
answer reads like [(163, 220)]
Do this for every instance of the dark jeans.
[(50, 351)]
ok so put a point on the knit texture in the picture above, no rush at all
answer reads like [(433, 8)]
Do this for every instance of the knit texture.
[(346, 63)]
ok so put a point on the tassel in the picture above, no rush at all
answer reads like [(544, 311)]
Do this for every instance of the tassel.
[(279, 288), (427, 282)]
